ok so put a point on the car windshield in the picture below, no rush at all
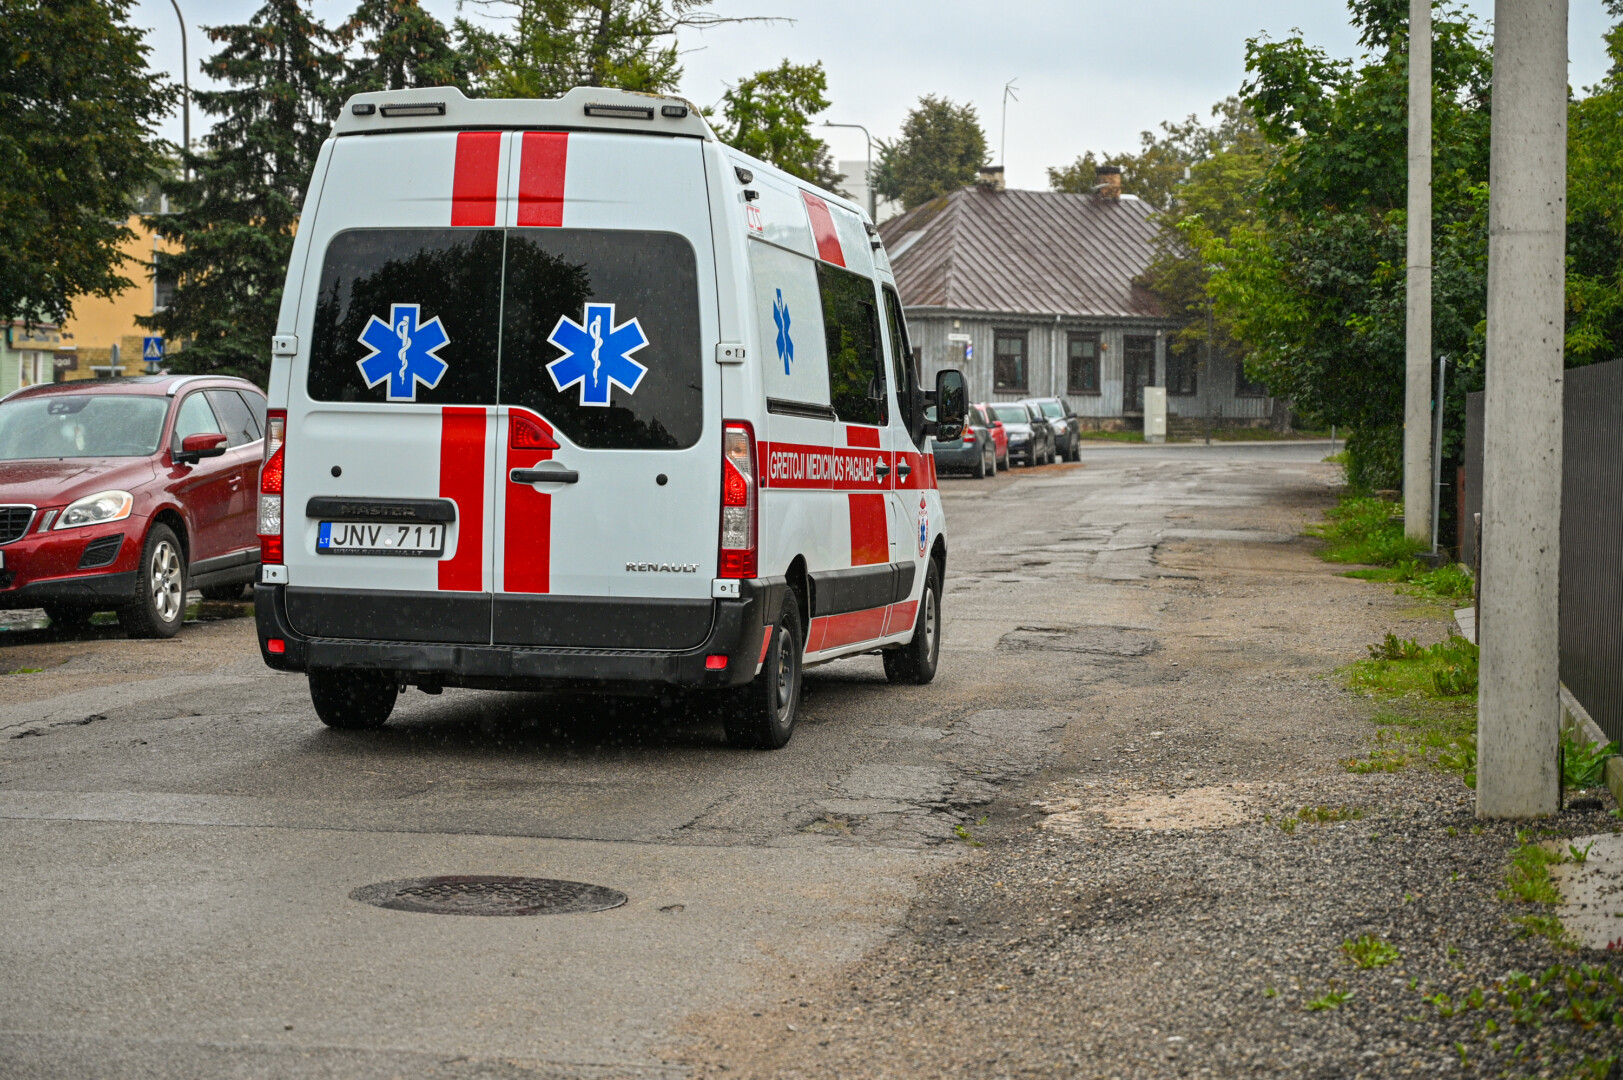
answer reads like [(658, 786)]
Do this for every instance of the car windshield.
[(81, 426), (1052, 410), (1011, 414)]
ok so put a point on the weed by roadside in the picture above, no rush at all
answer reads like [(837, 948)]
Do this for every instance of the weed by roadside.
[(1364, 529), (1583, 764), (1528, 883), (1369, 951)]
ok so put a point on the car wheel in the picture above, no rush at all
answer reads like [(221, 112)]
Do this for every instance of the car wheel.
[(159, 605), (222, 593), (979, 471), (353, 700), (68, 617), (915, 662), (761, 715), (1004, 464)]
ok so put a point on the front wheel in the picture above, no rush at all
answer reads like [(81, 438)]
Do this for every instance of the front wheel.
[(761, 715), (979, 472), (353, 700), (916, 661), (159, 605)]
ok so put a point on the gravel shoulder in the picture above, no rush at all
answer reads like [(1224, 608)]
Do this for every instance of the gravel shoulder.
[(1136, 909)]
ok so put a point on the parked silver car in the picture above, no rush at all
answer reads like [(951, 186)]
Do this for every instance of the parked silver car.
[(1062, 418)]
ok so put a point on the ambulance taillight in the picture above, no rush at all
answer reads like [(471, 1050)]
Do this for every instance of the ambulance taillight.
[(270, 489), (738, 502)]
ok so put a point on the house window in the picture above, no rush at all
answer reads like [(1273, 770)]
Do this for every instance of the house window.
[(1182, 377), (1009, 361), (1244, 387), (1082, 363), (164, 281)]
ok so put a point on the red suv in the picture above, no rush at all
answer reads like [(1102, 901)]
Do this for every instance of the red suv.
[(123, 493)]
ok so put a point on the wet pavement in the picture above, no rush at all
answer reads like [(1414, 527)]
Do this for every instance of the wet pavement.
[(182, 837)]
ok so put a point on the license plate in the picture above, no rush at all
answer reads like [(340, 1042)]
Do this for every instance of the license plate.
[(361, 538)]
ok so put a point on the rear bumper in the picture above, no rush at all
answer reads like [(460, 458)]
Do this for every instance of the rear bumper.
[(957, 456), (736, 632)]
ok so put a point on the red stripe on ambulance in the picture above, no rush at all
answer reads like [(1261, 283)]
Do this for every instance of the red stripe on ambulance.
[(822, 225), (543, 160), (822, 468), (462, 480), (473, 190), (527, 534), (870, 536)]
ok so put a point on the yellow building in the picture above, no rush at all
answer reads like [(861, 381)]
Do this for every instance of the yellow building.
[(102, 338)]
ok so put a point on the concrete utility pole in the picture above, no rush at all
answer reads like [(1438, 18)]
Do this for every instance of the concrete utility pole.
[(1417, 337), (1517, 624)]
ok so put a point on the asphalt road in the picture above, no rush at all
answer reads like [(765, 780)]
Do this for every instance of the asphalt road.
[(180, 836)]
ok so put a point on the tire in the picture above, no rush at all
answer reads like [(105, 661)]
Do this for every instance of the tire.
[(761, 715), (67, 617), (159, 605), (353, 700), (1006, 464), (915, 662), (979, 472), (222, 593)]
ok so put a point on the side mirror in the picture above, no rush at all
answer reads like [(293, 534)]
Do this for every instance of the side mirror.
[(193, 448), (951, 404)]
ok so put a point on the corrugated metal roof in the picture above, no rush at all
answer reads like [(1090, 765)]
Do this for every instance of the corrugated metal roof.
[(1037, 252)]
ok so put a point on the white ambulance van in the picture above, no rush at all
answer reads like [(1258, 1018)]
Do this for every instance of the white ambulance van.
[(568, 394)]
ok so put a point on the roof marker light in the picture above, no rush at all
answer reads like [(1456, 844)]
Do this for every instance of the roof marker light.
[(415, 108), (620, 112), (675, 112), (363, 108)]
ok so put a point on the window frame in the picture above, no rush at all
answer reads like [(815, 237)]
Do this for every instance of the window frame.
[(1095, 362), (1024, 371), (1244, 387), (1182, 365)]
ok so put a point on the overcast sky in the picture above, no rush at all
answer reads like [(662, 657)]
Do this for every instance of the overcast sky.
[(1089, 74)]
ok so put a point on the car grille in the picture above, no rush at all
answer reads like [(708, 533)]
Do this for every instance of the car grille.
[(14, 521)]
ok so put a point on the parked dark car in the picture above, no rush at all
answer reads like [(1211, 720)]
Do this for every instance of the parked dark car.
[(1031, 439), (122, 494), (976, 452), (1062, 418)]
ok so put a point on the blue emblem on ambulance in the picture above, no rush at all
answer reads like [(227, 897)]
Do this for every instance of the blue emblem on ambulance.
[(403, 352), (597, 353), (786, 345)]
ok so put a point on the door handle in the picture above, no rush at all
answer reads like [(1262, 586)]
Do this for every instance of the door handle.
[(544, 476), (881, 469), (903, 468)]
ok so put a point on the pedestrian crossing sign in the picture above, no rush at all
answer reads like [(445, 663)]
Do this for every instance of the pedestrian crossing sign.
[(152, 349)]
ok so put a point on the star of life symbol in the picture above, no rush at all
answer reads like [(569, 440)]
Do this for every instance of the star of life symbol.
[(924, 529), (786, 345), (403, 352), (597, 353)]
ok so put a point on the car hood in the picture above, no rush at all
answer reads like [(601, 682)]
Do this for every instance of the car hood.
[(56, 481)]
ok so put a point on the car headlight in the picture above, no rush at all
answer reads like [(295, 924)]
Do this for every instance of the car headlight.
[(97, 509)]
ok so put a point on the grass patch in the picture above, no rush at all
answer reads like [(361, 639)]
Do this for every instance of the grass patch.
[(1113, 436), (1324, 815), (1368, 530), (1370, 952), (1330, 999), (1451, 584), (1583, 764), (1528, 882), (1402, 667)]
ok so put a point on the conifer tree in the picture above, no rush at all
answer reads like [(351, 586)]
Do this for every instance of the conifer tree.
[(401, 47), (234, 216)]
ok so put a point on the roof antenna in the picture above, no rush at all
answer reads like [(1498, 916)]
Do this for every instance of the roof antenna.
[(1003, 135)]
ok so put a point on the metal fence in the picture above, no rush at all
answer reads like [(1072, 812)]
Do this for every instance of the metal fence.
[(1591, 535)]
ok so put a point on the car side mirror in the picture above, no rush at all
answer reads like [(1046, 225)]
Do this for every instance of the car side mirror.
[(194, 448), (951, 405)]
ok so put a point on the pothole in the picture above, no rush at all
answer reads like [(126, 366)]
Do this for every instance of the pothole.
[(485, 894), (1101, 640)]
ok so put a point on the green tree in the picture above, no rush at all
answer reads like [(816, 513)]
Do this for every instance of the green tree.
[(1156, 173), (1595, 214), (940, 150), (631, 44), (78, 109), (768, 116), (234, 217), (401, 47), (1314, 284)]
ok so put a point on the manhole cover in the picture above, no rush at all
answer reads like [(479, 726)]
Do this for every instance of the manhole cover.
[(485, 894)]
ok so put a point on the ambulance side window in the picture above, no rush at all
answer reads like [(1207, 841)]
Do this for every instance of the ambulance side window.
[(901, 358), (856, 363)]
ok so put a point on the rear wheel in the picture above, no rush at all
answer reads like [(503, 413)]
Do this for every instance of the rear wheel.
[(979, 472), (353, 700), (761, 715), (159, 605), (916, 661)]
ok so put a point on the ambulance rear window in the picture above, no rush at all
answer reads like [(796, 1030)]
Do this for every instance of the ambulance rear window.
[(408, 315)]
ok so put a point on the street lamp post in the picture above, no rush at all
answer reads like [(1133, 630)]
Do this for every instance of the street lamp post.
[(867, 176), (185, 84)]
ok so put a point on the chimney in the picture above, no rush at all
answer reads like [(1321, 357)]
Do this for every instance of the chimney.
[(990, 176), (1109, 185)]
